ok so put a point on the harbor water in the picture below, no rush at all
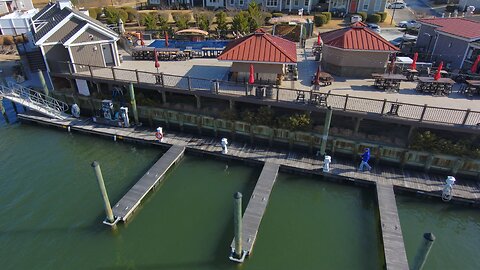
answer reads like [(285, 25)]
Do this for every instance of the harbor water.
[(51, 213)]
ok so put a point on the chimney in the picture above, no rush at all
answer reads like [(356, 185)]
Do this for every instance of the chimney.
[(64, 3)]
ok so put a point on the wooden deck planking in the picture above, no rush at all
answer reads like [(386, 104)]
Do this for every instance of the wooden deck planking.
[(129, 202), (430, 183), (257, 205), (393, 245)]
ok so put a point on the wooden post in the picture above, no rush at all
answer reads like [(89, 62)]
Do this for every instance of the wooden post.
[(467, 113), (162, 79), (383, 106), (278, 92), (164, 97), (423, 112), (42, 82), (189, 81), (326, 129), (357, 126), (346, 101), (456, 166), (103, 190), (237, 221), (2, 109), (199, 103), (133, 103), (421, 257), (232, 104), (113, 74), (91, 71), (428, 162), (136, 75)]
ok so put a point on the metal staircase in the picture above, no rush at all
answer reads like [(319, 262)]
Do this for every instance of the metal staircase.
[(35, 101)]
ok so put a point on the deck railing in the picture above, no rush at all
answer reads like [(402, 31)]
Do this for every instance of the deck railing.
[(421, 113)]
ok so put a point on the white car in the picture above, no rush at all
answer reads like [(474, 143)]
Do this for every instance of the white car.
[(409, 24), (397, 5)]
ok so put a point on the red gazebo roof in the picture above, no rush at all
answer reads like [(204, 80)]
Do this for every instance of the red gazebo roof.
[(260, 47), (357, 37)]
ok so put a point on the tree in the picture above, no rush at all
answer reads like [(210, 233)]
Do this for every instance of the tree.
[(240, 22), (149, 20), (222, 25), (181, 20), (255, 16), (113, 15), (162, 21), (203, 22), (132, 13)]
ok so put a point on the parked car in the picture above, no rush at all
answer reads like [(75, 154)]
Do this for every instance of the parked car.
[(409, 24), (405, 38), (397, 5), (374, 27), (355, 18)]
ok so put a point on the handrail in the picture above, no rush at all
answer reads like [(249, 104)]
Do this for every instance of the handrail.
[(417, 112), (48, 103)]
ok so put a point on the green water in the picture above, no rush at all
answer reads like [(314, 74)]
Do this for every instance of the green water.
[(457, 231), (51, 213)]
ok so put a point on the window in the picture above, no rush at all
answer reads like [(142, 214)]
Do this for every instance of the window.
[(306, 3), (272, 3), (295, 3), (288, 3), (232, 2), (240, 2), (377, 6), (365, 6)]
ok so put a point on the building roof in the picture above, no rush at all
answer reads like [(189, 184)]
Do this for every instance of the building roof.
[(461, 27), (357, 37), (191, 31), (260, 47), (51, 15)]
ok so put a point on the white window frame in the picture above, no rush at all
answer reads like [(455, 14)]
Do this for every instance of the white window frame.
[(306, 2), (272, 3), (295, 3), (232, 2), (287, 2), (241, 2), (367, 6)]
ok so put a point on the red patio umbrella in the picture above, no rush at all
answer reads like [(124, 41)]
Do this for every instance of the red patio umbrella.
[(319, 40), (251, 79), (157, 64), (166, 39), (437, 74), (414, 63), (475, 65)]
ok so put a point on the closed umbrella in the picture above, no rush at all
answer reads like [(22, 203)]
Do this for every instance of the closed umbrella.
[(141, 40), (437, 74), (317, 76), (166, 39), (392, 64), (414, 63), (319, 40), (157, 64), (251, 79), (475, 65)]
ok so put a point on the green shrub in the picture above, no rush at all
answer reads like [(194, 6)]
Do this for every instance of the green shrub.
[(277, 14), (132, 14), (328, 15), (451, 8), (181, 19), (113, 14), (363, 14), (430, 142), (383, 16), (267, 17), (319, 20), (374, 18), (94, 12), (296, 122), (149, 20)]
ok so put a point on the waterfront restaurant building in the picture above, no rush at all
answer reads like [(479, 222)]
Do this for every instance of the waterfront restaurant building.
[(269, 55), (355, 51)]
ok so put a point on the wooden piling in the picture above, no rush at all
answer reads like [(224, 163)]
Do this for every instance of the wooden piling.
[(326, 129), (421, 257), (103, 190), (237, 220)]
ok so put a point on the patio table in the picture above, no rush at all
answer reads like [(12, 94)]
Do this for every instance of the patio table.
[(440, 87)]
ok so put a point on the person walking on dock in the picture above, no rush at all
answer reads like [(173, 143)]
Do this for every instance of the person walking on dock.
[(365, 159)]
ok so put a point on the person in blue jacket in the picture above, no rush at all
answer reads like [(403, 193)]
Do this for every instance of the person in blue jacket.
[(365, 159)]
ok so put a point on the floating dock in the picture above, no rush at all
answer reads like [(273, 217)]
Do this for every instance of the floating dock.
[(256, 206), (393, 245), (131, 200)]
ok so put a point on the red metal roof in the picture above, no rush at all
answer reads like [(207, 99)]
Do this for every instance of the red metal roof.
[(260, 47), (357, 37), (461, 27)]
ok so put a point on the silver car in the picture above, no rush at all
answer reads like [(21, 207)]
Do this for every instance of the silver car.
[(397, 5)]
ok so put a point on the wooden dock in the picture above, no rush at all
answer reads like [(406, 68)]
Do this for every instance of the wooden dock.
[(344, 170), (393, 245), (256, 206), (130, 201)]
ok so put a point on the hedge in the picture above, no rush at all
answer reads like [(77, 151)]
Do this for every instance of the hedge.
[(319, 20), (328, 15), (383, 16), (364, 15), (374, 18), (277, 14)]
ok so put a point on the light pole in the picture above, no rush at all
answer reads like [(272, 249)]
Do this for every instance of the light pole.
[(393, 14)]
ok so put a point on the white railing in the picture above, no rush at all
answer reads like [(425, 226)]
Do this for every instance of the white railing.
[(34, 100)]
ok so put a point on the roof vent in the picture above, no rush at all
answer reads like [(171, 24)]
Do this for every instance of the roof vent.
[(64, 3)]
